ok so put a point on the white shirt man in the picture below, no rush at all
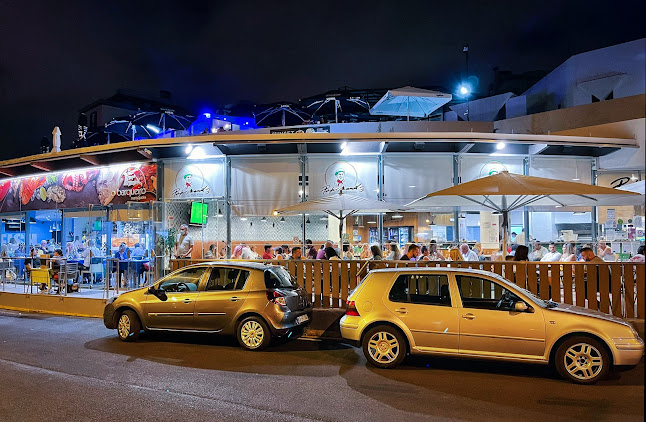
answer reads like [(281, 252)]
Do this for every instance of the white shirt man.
[(246, 252), (90, 252), (184, 243), (468, 254), (552, 255), (538, 252)]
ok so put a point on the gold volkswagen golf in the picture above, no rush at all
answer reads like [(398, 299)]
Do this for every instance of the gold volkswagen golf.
[(478, 314), (253, 301)]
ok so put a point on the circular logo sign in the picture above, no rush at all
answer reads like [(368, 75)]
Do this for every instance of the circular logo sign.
[(341, 176), (189, 182), (492, 167)]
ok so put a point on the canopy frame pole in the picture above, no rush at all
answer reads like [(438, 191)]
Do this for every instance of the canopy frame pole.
[(550, 197), (518, 199), (529, 201), (505, 226), (495, 208)]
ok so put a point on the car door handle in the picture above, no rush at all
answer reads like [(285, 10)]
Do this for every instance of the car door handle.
[(469, 316), (401, 310), (188, 300), (234, 299)]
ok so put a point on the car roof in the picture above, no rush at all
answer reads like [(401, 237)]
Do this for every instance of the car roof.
[(243, 264), (433, 269)]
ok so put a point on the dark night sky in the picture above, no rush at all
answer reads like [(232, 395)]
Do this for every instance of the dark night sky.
[(59, 56)]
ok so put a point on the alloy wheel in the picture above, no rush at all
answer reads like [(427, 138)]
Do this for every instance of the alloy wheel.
[(583, 361), (383, 347), (252, 334), (124, 326)]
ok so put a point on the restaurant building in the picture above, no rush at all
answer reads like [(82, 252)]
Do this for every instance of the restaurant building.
[(226, 186)]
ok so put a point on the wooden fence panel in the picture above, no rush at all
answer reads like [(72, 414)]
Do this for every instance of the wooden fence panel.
[(543, 282), (555, 282), (579, 284), (345, 281), (604, 288), (591, 286), (615, 289), (335, 294), (353, 275), (640, 271), (497, 268), (326, 283), (520, 274), (532, 284), (317, 283), (629, 290), (567, 284), (308, 277)]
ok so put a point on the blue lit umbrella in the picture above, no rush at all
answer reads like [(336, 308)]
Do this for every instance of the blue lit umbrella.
[(162, 120), (284, 114), (127, 128), (101, 137)]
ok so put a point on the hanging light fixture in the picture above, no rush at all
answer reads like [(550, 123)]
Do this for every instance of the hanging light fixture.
[(219, 214), (307, 221), (264, 219), (282, 219)]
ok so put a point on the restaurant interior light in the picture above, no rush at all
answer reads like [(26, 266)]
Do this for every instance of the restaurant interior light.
[(397, 216), (275, 212), (282, 219), (411, 186), (371, 222), (243, 218), (219, 214), (264, 219)]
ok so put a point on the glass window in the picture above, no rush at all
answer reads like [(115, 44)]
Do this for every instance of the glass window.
[(279, 277), (183, 281), (425, 289), (226, 279), (481, 293)]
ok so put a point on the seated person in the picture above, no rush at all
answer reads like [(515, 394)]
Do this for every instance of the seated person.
[(138, 252), (121, 255), (58, 266), (89, 253)]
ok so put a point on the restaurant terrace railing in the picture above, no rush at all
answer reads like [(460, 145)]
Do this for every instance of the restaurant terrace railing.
[(615, 288)]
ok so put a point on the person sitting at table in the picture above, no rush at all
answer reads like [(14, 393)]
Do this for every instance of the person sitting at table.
[(521, 253), (568, 254), (538, 252), (44, 248), (71, 251), (121, 255), (210, 253), (553, 255), (138, 252), (58, 266), (88, 253), (605, 252)]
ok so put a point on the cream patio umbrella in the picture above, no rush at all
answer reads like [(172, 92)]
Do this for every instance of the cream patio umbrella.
[(340, 205), (504, 192)]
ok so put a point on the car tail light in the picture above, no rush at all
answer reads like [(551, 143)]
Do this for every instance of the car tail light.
[(350, 309), (276, 297)]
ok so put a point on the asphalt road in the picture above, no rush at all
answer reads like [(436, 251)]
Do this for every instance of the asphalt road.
[(74, 369)]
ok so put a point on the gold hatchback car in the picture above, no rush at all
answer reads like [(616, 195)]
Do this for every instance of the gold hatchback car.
[(253, 301), (478, 314)]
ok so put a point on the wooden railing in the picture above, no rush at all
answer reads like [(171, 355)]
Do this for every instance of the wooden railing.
[(615, 288)]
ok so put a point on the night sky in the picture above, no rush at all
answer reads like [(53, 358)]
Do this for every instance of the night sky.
[(59, 56)]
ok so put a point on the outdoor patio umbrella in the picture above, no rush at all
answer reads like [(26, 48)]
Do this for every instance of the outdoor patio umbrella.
[(340, 205), (127, 128), (101, 137), (165, 119), (284, 114), (410, 102), (505, 192), (338, 105)]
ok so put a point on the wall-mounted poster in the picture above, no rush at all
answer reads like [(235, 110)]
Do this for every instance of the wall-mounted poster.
[(79, 188)]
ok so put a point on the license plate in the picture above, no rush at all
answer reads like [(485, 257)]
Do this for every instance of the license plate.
[(301, 319)]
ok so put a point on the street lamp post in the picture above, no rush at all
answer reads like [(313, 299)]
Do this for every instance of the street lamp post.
[(465, 50)]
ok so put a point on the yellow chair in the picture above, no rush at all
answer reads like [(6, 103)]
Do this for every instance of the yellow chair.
[(40, 276)]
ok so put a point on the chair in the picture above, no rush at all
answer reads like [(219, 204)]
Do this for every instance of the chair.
[(7, 268), (40, 276)]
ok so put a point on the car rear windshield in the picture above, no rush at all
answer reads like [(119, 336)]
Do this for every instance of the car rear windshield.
[(279, 277)]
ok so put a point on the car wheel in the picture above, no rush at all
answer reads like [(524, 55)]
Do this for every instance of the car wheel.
[(253, 333), (384, 347), (582, 360), (128, 326)]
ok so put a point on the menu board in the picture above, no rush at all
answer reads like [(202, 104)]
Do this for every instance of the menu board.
[(80, 188)]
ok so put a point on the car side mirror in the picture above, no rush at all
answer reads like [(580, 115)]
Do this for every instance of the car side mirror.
[(521, 306), (158, 293)]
